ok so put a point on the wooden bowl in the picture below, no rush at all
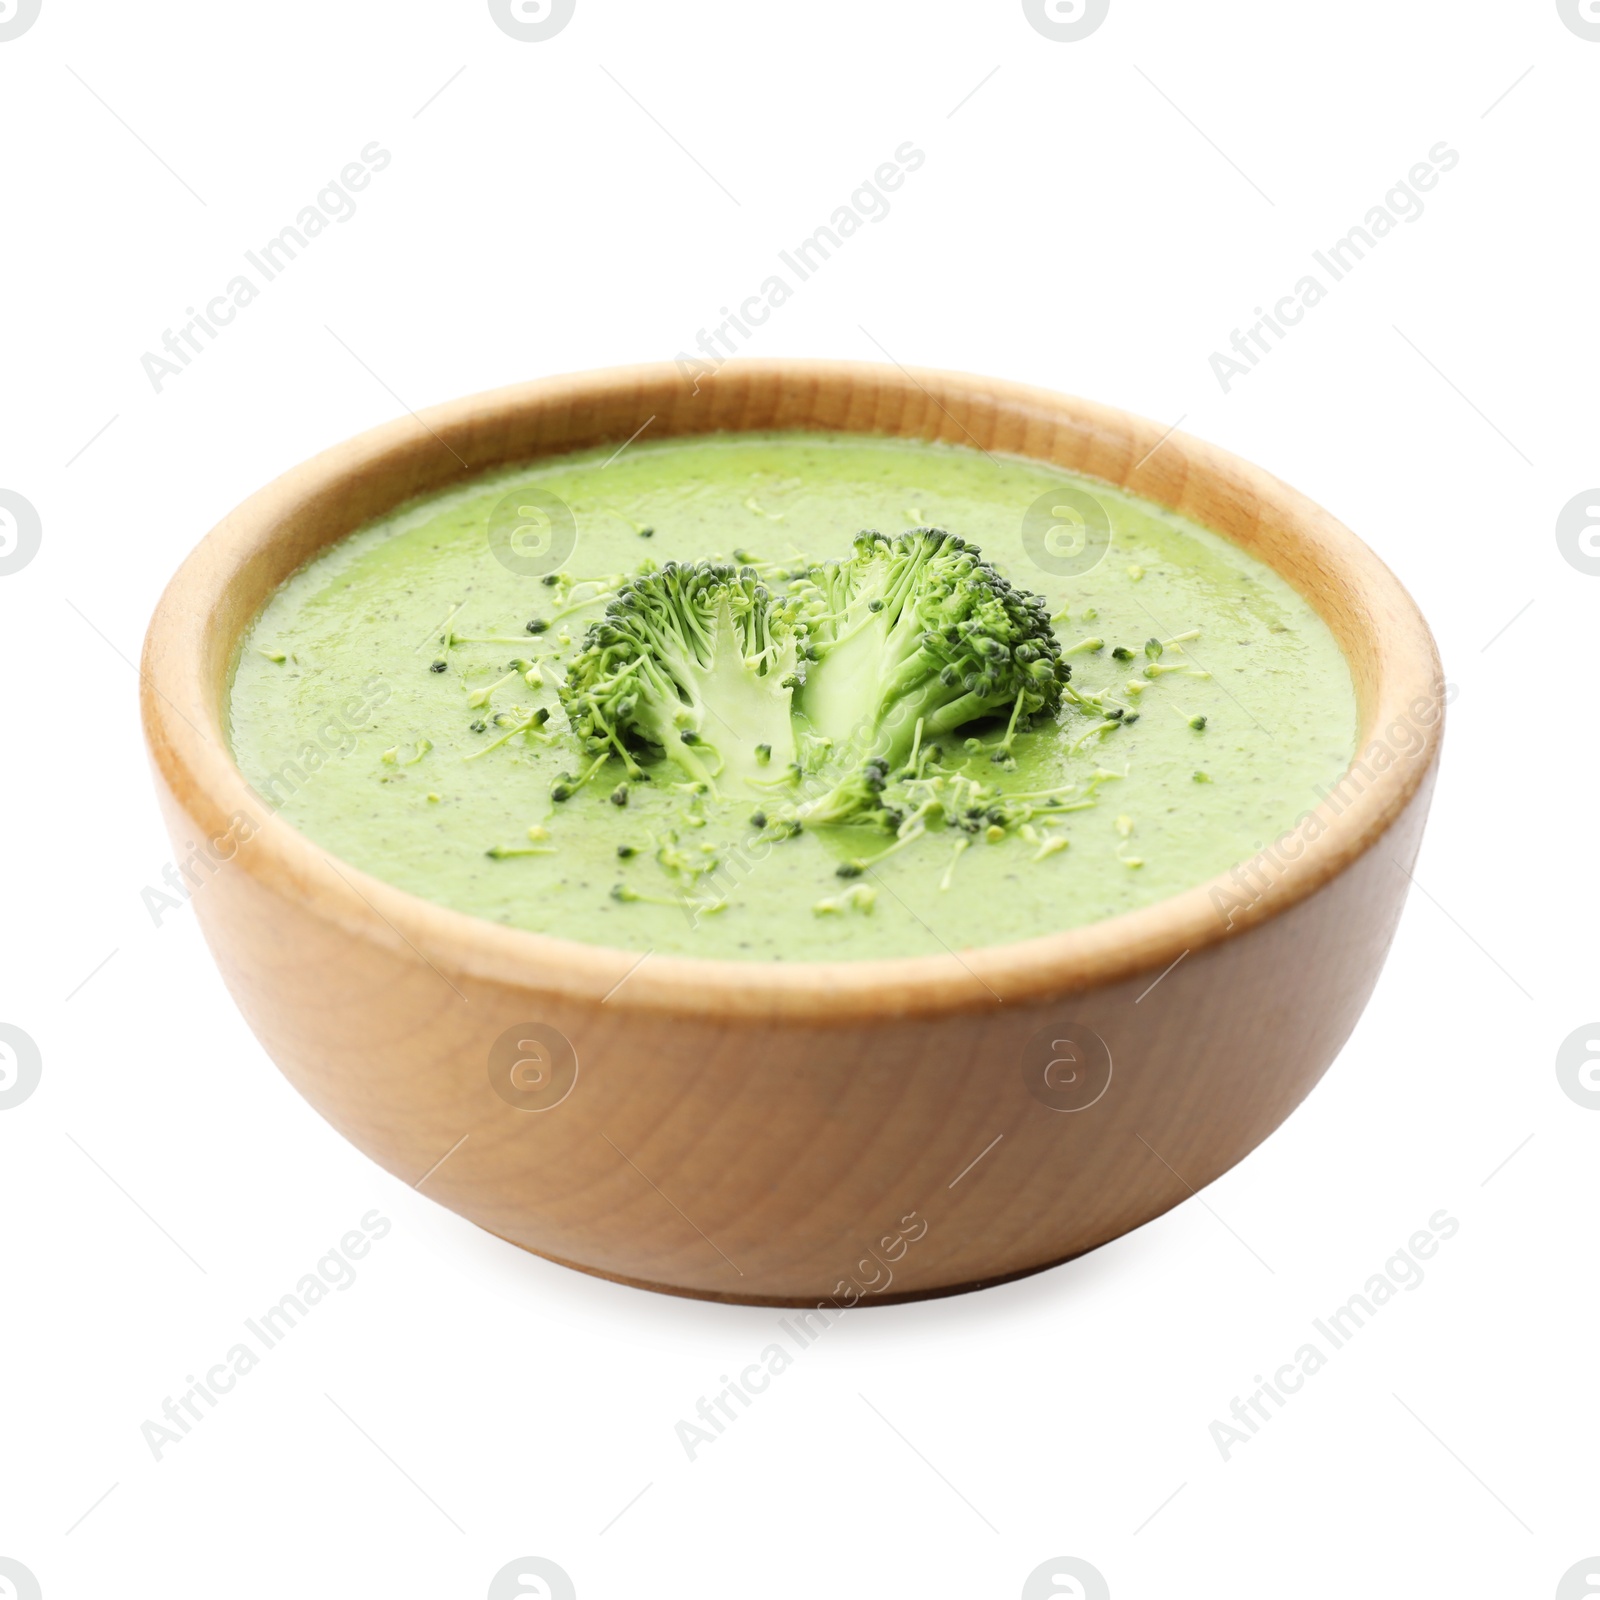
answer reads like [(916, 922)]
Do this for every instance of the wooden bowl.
[(809, 1133)]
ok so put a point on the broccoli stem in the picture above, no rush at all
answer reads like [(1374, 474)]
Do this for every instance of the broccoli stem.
[(955, 856), (481, 697), (537, 720)]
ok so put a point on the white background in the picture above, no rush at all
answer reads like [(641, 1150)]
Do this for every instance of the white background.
[(1070, 227)]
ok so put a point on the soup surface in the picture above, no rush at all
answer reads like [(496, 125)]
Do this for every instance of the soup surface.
[(397, 702)]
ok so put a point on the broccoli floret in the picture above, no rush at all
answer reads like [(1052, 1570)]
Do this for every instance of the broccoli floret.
[(697, 661), (910, 638)]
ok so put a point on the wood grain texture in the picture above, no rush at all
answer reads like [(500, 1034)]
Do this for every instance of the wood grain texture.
[(751, 1131)]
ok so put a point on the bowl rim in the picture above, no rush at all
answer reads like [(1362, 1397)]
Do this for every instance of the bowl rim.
[(191, 641)]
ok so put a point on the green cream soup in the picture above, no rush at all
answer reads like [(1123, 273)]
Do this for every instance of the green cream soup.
[(397, 701)]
